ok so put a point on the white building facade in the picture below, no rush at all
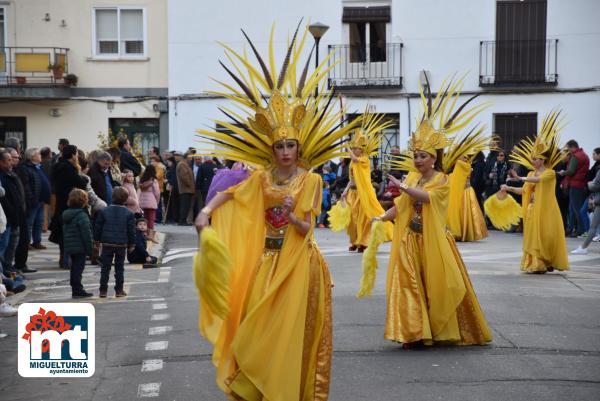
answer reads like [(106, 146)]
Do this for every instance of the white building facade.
[(116, 49), (525, 57)]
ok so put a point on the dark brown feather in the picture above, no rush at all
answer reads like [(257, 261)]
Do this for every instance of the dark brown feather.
[(286, 61), (458, 111), (241, 84), (263, 66)]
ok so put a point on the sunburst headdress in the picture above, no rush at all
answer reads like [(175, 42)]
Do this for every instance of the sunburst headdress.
[(368, 136), (278, 105), (545, 145), (440, 118), (439, 123)]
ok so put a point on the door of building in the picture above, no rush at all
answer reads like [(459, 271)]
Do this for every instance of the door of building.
[(512, 127), (520, 41), (15, 127), (143, 133)]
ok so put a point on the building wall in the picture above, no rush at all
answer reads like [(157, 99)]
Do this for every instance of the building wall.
[(439, 36), (86, 112), (79, 121), (27, 27)]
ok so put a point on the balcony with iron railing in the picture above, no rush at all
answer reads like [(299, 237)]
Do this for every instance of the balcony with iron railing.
[(509, 63), (34, 71), (366, 67)]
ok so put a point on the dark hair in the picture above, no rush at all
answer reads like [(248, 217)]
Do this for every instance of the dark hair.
[(68, 151), (141, 220), (155, 149), (122, 140), (63, 142), (81, 159), (500, 150), (115, 154), (149, 173), (120, 196), (3, 154), (438, 166), (597, 151), (78, 199), (572, 144), (46, 152)]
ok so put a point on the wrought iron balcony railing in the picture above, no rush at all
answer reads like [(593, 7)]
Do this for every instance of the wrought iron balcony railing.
[(33, 66), (364, 67), (518, 62)]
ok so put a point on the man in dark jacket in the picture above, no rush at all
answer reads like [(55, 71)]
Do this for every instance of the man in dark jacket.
[(205, 175), (13, 204), (64, 177), (37, 193), (101, 179), (128, 161)]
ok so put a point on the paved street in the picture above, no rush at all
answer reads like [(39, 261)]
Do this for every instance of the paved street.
[(546, 333)]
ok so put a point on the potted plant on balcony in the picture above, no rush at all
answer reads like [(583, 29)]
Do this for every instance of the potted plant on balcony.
[(57, 70), (71, 79), (21, 80)]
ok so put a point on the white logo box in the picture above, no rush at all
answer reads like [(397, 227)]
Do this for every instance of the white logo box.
[(77, 361)]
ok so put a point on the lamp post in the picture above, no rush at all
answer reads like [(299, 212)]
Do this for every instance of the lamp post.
[(317, 30)]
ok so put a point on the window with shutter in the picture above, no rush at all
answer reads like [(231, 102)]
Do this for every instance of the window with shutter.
[(119, 32)]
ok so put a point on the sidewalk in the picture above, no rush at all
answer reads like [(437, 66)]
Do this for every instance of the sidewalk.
[(52, 283)]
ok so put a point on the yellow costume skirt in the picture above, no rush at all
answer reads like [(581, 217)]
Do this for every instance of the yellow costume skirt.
[(533, 261), (360, 224), (473, 227), (317, 348), (408, 317)]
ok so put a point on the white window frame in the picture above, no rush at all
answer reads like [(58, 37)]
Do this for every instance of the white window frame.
[(4, 8), (119, 55)]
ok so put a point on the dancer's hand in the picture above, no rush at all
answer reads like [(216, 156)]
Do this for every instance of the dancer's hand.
[(202, 220), (504, 188), (288, 205)]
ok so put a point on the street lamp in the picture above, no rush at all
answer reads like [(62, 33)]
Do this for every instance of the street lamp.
[(317, 30)]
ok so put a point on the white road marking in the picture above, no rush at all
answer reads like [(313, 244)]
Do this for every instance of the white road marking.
[(159, 306), (179, 250), (159, 330), (148, 390), (157, 345), (150, 365), (178, 256), (160, 316)]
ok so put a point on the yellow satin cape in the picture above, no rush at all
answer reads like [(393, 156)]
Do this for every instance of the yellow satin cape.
[(365, 206), (429, 293), (544, 243), (260, 351), (465, 218)]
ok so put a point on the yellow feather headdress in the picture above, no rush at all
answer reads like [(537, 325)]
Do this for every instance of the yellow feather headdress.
[(275, 105), (368, 136), (545, 145), (439, 120), (440, 117)]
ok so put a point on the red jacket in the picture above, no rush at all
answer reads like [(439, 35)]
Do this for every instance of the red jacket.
[(579, 179)]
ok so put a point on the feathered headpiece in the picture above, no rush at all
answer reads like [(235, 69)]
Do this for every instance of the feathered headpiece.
[(368, 136), (439, 120), (545, 145), (439, 117), (277, 105)]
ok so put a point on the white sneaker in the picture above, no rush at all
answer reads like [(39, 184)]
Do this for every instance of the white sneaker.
[(596, 238), (7, 310), (579, 251)]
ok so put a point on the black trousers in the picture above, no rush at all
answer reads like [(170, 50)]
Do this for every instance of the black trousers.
[(77, 266), (106, 259), (22, 251), (185, 202)]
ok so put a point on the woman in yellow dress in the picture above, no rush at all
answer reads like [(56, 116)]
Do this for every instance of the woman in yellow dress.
[(465, 218), (359, 195), (544, 245), (271, 324), (429, 294)]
